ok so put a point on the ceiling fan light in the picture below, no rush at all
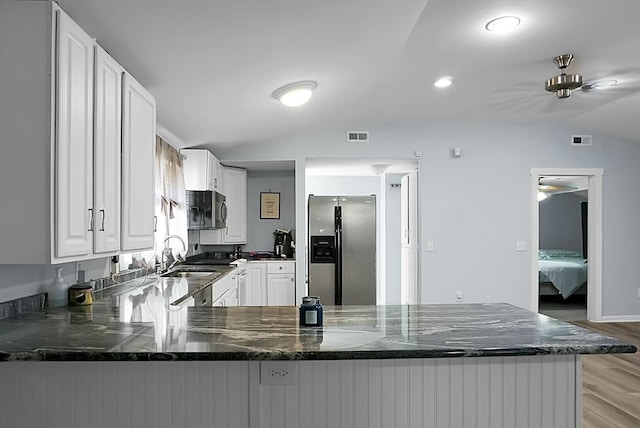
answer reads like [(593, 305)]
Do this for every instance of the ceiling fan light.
[(443, 82), (295, 94), (502, 24)]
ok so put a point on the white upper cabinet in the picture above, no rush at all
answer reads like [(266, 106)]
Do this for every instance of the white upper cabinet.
[(61, 130), (138, 147), (107, 153), (74, 212), (201, 170), (235, 189)]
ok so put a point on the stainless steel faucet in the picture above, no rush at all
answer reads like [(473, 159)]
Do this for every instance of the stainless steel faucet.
[(168, 260)]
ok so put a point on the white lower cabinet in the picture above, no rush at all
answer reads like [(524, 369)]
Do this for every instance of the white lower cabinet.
[(256, 287), (271, 283), (225, 291), (281, 289)]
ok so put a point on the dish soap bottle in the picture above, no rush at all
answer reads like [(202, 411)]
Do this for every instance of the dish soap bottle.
[(58, 291)]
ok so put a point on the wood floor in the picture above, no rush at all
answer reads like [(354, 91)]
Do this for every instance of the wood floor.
[(611, 383)]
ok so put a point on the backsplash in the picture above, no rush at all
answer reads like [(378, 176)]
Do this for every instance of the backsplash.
[(37, 302), (22, 306)]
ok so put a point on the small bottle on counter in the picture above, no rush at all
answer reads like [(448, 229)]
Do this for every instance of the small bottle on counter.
[(58, 293), (311, 311)]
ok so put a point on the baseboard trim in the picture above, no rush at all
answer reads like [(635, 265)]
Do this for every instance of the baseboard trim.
[(619, 318)]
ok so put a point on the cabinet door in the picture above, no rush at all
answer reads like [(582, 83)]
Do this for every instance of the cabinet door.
[(256, 284), (211, 172), (231, 299), (218, 176), (195, 166), (138, 148), (281, 290), (107, 149), (74, 140), (235, 189)]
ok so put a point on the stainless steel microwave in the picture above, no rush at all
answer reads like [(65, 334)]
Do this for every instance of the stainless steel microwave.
[(206, 209)]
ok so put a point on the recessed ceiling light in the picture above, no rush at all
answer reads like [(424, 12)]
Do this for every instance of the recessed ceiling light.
[(443, 82), (502, 24), (296, 93)]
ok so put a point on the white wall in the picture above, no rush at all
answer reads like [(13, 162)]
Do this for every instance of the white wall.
[(561, 222), (260, 231), (474, 208), (18, 281)]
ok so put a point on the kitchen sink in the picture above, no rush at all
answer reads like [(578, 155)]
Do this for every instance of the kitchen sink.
[(187, 274)]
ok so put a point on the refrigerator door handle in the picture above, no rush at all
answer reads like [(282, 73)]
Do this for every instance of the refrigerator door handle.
[(338, 238)]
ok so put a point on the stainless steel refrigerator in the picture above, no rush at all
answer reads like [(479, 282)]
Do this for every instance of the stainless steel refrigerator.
[(342, 249)]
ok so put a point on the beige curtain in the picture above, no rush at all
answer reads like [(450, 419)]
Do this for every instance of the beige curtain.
[(170, 198)]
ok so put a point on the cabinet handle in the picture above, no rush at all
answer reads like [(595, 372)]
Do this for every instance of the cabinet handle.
[(102, 223), (155, 223), (90, 219)]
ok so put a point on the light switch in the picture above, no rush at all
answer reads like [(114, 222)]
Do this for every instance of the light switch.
[(430, 246), (521, 246)]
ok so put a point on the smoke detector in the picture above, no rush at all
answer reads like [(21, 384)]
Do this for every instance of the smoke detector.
[(563, 84)]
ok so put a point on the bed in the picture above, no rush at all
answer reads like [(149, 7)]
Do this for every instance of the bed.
[(561, 272)]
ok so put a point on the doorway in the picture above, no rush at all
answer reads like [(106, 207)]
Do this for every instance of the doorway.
[(369, 176), (562, 253), (593, 232)]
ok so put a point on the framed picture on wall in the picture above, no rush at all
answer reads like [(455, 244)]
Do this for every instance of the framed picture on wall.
[(270, 205)]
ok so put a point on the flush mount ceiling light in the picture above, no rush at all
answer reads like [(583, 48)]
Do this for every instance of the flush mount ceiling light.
[(563, 84), (503, 24), (443, 82), (296, 93)]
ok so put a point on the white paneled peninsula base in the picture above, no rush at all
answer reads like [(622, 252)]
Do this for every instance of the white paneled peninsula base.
[(482, 365)]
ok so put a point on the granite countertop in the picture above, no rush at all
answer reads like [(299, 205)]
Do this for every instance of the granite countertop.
[(135, 321)]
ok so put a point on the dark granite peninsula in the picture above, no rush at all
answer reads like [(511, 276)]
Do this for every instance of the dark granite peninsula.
[(386, 366)]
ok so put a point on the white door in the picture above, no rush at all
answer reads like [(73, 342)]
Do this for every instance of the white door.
[(281, 289), (107, 149), (138, 147), (235, 185), (409, 293), (74, 141)]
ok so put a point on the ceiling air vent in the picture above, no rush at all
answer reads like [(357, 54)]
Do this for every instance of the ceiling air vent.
[(581, 140), (357, 136)]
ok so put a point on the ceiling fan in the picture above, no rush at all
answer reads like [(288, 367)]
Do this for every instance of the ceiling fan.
[(548, 186), (594, 92)]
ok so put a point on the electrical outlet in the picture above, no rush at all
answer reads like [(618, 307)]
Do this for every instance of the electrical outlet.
[(458, 296), (278, 373)]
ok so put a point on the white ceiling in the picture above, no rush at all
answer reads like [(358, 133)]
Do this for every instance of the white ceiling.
[(212, 65)]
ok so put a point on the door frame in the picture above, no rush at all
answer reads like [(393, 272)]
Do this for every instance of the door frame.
[(594, 243)]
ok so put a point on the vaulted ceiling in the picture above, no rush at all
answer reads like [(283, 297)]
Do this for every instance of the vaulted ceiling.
[(212, 65)]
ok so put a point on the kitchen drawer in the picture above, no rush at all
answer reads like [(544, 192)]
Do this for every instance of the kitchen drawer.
[(281, 267)]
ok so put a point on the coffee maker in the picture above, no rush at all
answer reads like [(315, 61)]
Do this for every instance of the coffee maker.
[(282, 243)]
